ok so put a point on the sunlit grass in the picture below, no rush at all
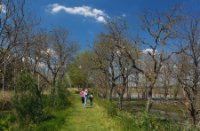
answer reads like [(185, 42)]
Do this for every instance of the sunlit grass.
[(91, 118)]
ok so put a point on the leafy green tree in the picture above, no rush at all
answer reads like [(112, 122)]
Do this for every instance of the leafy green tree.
[(77, 75), (80, 70)]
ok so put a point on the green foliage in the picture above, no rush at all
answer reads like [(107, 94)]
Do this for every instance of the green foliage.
[(77, 92), (36, 111), (80, 69), (148, 122), (27, 100), (53, 124), (141, 121), (93, 118), (60, 96), (77, 75), (110, 107), (6, 119)]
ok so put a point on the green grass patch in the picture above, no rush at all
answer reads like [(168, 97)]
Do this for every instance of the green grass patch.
[(54, 123), (93, 118)]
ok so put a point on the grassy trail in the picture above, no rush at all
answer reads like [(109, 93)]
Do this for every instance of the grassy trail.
[(88, 119)]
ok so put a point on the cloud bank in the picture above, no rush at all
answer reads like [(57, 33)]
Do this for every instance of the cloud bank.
[(86, 11)]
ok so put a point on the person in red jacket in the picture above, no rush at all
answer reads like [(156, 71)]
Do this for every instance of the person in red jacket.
[(82, 95)]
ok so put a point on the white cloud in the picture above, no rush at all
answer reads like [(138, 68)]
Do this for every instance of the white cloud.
[(149, 50), (85, 11), (2, 9), (101, 19)]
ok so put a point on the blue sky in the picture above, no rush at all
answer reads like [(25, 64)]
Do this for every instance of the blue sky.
[(85, 18)]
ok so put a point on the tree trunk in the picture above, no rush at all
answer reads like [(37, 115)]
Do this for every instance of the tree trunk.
[(128, 94), (193, 115), (14, 80), (54, 85), (3, 77), (144, 95), (54, 91), (138, 93), (3, 85), (121, 95), (119, 101), (149, 99), (110, 94)]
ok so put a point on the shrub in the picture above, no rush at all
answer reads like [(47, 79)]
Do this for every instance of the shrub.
[(77, 91), (27, 100), (60, 96), (6, 119), (110, 107), (146, 122)]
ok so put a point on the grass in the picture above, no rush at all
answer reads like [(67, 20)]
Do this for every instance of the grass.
[(168, 110), (93, 118), (6, 119), (77, 118), (54, 124), (6, 95), (73, 118)]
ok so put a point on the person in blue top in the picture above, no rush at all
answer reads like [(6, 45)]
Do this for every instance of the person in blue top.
[(91, 97)]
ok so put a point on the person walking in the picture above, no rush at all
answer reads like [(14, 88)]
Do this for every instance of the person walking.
[(91, 97), (82, 95), (85, 97)]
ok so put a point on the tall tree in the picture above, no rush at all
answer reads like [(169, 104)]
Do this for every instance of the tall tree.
[(59, 53), (161, 29), (188, 67)]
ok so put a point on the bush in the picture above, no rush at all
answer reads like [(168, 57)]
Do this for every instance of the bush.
[(77, 91), (27, 100), (60, 96), (6, 119), (110, 107), (148, 122)]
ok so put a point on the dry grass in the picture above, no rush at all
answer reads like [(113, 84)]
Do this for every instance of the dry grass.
[(5, 100), (6, 95)]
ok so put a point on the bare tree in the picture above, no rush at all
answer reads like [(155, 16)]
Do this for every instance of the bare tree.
[(104, 59), (58, 54), (111, 59), (189, 68), (13, 24), (161, 29), (166, 77), (125, 70)]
